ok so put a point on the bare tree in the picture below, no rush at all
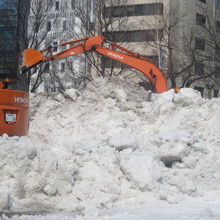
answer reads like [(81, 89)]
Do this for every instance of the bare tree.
[(179, 53), (83, 19), (98, 17), (11, 40), (66, 73), (30, 30), (175, 43), (69, 76), (212, 41), (41, 21)]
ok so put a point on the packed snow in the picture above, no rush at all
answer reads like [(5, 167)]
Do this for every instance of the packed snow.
[(115, 152)]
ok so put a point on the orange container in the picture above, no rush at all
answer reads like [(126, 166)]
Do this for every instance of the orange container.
[(14, 112)]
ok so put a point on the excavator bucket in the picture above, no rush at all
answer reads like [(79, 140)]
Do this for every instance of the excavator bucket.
[(31, 58)]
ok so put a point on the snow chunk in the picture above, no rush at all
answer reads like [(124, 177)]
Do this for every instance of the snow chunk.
[(4, 200), (141, 169), (112, 145)]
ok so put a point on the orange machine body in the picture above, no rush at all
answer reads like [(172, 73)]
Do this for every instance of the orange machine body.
[(14, 112)]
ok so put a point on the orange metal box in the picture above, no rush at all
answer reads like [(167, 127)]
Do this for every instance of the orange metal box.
[(14, 112)]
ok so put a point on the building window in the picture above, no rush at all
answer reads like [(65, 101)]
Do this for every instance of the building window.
[(218, 4), (154, 59), (63, 65), (73, 4), (134, 10), (139, 10), (65, 25), (89, 67), (217, 52), (217, 72), (55, 46), (48, 26), (155, 9), (118, 12), (215, 93), (199, 68), (203, 1), (134, 36), (111, 63), (200, 89), (69, 65), (130, 10), (200, 44), (200, 19), (218, 26), (57, 5), (47, 67)]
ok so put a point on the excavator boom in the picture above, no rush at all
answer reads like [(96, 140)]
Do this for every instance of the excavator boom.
[(98, 44)]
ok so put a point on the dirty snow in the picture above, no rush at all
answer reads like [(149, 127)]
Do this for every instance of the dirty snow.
[(115, 152)]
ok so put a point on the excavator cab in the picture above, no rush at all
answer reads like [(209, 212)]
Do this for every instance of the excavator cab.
[(4, 84), (14, 109)]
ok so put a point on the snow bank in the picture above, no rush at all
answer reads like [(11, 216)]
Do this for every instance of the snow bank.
[(113, 146)]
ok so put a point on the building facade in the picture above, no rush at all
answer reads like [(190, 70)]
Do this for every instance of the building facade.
[(203, 16), (8, 52), (173, 34), (136, 27), (63, 23), (13, 33)]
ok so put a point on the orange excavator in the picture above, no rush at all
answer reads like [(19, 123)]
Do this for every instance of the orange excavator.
[(14, 108)]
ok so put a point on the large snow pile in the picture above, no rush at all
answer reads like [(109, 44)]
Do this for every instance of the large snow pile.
[(113, 146)]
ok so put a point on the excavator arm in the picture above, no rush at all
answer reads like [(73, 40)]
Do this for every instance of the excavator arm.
[(98, 44)]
